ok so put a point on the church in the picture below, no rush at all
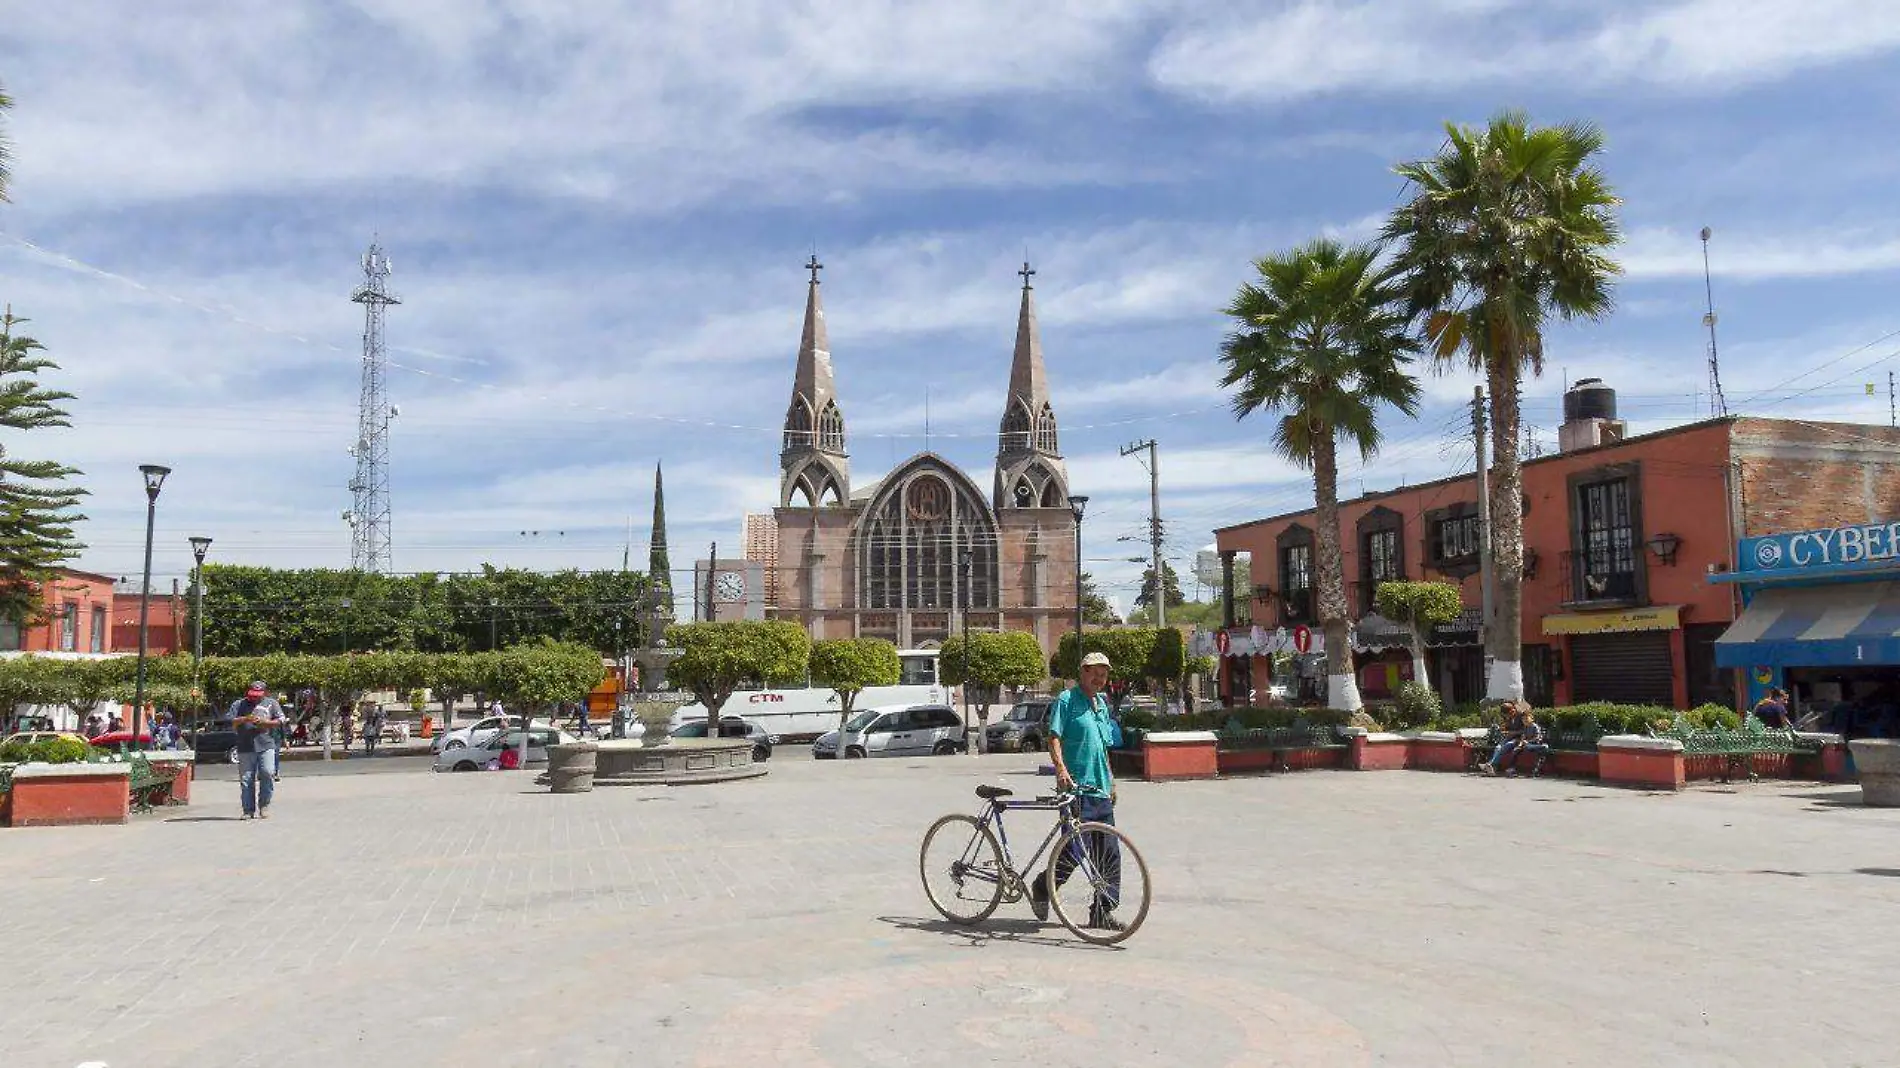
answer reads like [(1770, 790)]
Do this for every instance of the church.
[(903, 557)]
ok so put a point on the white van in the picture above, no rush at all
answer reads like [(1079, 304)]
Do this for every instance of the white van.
[(896, 730)]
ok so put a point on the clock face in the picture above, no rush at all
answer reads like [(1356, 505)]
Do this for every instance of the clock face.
[(729, 586)]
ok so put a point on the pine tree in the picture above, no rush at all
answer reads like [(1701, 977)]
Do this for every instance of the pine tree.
[(659, 568), (36, 504)]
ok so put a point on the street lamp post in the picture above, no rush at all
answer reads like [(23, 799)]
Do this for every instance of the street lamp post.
[(1078, 505), (347, 605), (975, 744), (199, 547), (154, 479), (494, 610)]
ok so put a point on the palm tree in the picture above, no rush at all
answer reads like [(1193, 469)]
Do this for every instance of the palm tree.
[(1323, 340), (1509, 224)]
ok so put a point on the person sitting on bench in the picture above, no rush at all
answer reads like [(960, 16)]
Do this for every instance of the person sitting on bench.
[(1522, 734)]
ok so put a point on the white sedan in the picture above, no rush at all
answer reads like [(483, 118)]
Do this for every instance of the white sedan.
[(478, 757), (478, 732)]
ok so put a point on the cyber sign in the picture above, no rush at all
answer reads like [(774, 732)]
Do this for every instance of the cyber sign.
[(1867, 545)]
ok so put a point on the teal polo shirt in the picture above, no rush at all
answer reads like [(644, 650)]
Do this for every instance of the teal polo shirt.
[(1084, 728)]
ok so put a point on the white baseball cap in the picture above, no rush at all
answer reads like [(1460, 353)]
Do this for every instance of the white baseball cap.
[(1095, 659)]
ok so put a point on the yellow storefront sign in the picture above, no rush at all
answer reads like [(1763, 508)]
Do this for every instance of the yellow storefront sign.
[(1661, 617)]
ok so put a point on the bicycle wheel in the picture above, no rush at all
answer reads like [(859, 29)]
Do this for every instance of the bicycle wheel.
[(1104, 897), (962, 868)]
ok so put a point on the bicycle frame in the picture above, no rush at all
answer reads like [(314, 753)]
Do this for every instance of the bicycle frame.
[(992, 818)]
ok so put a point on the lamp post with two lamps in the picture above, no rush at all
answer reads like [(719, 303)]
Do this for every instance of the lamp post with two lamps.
[(1078, 505), (154, 480), (200, 545)]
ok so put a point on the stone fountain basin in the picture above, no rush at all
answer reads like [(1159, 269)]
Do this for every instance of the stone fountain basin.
[(680, 762)]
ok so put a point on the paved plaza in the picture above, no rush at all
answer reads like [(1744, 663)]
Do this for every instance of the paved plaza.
[(1322, 918)]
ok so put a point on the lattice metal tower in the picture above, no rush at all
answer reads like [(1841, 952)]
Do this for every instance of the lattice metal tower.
[(369, 512)]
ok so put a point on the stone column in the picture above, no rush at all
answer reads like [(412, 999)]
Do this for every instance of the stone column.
[(1227, 588)]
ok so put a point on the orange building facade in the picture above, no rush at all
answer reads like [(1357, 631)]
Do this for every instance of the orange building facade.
[(77, 617), (1622, 537)]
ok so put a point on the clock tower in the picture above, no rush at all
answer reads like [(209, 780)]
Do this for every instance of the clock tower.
[(734, 589)]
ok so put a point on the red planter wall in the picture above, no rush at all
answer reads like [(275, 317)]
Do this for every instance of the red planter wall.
[(1431, 754), (1181, 760), (69, 798)]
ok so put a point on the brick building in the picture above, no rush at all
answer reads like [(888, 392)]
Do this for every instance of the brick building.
[(78, 616), (901, 557), (166, 628), (1625, 538)]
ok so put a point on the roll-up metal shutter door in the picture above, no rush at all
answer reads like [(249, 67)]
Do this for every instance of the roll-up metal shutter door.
[(1631, 669)]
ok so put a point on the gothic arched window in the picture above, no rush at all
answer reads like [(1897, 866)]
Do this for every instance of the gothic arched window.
[(798, 424), (1016, 428), (911, 542), (831, 428), (1046, 430)]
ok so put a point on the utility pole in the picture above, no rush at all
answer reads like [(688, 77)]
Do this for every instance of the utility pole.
[(1484, 515), (1154, 524), (712, 565), (1890, 404)]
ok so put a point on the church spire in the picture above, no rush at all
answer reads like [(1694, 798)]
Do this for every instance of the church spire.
[(814, 468), (1029, 468)]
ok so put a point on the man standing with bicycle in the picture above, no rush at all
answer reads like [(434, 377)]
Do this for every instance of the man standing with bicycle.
[(1080, 731)]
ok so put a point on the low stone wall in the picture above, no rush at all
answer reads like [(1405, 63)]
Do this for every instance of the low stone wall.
[(1437, 751), (1633, 760), (180, 761)]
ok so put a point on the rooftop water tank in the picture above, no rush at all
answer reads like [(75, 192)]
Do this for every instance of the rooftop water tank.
[(1589, 399)]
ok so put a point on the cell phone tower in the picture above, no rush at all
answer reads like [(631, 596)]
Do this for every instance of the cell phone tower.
[(368, 516)]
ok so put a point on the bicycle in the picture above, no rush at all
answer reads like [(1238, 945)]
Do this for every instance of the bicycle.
[(982, 873)]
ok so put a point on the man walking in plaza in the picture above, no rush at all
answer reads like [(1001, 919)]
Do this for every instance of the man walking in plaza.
[(1079, 735), (373, 729), (256, 717)]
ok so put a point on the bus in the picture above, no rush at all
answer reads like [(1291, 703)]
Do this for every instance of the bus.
[(796, 713)]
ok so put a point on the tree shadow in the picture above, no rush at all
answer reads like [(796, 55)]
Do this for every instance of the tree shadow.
[(1018, 931), (201, 819), (1888, 873)]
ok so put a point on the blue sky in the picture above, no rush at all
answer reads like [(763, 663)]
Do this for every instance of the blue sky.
[(598, 211)]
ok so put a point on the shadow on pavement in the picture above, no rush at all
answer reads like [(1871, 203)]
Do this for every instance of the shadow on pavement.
[(1020, 931), (1889, 873), (201, 819)]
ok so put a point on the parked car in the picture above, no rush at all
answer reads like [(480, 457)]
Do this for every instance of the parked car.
[(732, 727), (215, 744), (479, 731), (1023, 729), (29, 737), (475, 757), (898, 730)]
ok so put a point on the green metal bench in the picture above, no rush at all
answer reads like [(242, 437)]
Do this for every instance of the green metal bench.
[(1738, 748), (1582, 738), (151, 786), (1280, 741)]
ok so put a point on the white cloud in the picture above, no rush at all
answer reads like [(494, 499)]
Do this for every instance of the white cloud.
[(1319, 46), (1656, 253)]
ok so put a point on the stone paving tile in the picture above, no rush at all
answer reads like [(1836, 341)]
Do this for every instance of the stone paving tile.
[(1312, 919)]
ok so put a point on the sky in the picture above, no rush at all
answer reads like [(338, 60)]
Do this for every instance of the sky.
[(598, 214)]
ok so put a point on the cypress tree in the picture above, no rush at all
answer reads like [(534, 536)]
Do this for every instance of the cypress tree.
[(659, 568), (36, 503)]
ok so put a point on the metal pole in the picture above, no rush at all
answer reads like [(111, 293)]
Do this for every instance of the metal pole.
[(712, 567), (1485, 580), (145, 609), (975, 744), (494, 613), (1078, 505)]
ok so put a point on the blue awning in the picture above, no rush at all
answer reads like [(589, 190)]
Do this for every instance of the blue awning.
[(1839, 625)]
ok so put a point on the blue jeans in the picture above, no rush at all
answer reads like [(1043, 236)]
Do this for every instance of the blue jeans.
[(1105, 851), (257, 779), (1510, 749)]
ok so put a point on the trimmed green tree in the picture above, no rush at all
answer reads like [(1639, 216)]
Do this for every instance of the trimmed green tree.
[(989, 661), (847, 665), (1323, 340), (1508, 224), (1130, 652), (716, 657), (1421, 606)]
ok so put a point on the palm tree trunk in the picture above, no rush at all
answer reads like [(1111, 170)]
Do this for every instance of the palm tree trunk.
[(1503, 641), (1342, 690)]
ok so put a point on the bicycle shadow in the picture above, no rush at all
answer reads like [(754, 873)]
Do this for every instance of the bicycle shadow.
[(1028, 932)]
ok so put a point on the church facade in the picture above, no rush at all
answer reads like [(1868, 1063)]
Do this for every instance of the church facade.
[(903, 557)]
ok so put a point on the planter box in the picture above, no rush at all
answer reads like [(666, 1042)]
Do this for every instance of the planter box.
[(1437, 751), (1633, 760), (181, 760), (59, 795), (1180, 755), (1378, 752)]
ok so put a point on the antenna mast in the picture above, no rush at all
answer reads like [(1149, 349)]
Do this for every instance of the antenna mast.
[(369, 512), (1718, 405)]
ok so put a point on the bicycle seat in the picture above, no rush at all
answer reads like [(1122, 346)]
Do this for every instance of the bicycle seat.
[(991, 793)]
